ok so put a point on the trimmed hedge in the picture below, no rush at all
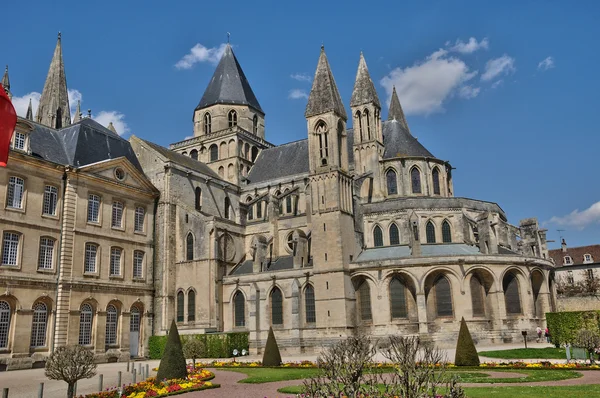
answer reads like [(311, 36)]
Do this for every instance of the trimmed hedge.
[(564, 326), (218, 345)]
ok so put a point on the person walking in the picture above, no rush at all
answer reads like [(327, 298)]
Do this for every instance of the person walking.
[(547, 335), (538, 330)]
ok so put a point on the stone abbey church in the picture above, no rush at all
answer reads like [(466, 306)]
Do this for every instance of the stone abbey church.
[(106, 240)]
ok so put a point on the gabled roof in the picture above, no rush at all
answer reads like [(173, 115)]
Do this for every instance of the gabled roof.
[(280, 161), (324, 95), (364, 90), (399, 142), (576, 254), (229, 85)]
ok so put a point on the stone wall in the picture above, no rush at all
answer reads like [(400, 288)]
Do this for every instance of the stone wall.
[(578, 303)]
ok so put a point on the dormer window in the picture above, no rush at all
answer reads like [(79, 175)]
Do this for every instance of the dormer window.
[(19, 141), (587, 258), (568, 260)]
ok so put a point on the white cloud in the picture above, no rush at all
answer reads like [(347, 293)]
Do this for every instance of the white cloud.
[(22, 103), (498, 66), (425, 86), (301, 77), (200, 53), (497, 83), (468, 92), (74, 96), (579, 219), (117, 119), (469, 47), (545, 64), (297, 94)]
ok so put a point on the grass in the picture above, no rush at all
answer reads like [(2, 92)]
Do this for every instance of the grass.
[(268, 375), (527, 353)]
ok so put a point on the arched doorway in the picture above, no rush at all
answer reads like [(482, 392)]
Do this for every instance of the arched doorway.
[(134, 332)]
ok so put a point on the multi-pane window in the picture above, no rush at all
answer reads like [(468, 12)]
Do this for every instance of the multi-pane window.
[(189, 247), (93, 208), (430, 232), (134, 320), (16, 187), (587, 258), (85, 325), (232, 118), (191, 306), (568, 260), (138, 264), (111, 325), (377, 236), (19, 141), (446, 232), (38, 326), (276, 307), (415, 178), (309, 304), (46, 253), (392, 184), (207, 123), (590, 273), (117, 214), (115, 261), (512, 298), (570, 278), (394, 235), (140, 214), (398, 298), (443, 297), (10, 248), (364, 299), (239, 305), (180, 309), (4, 323), (50, 199), (91, 252), (435, 176)]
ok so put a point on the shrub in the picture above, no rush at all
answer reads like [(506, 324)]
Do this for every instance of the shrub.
[(466, 353), (271, 356), (70, 363), (194, 348), (218, 345), (564, 326), (172, 365)]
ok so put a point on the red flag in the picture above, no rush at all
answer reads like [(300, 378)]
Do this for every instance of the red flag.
[(8, 121)]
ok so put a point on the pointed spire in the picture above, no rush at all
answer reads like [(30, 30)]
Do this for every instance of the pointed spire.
[(77, 117), (396, 112), (53, 109), (229, 85), (324, 95), (112, 128), (6, 83), (364, 90), (29, 115)]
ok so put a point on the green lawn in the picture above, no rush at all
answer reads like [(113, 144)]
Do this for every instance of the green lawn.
[(529, 353), (267, 375)]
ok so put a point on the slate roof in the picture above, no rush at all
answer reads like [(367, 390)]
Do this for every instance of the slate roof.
[(182, 159), (229, 85), (79, 144), (324, 95), (395, 112), (280, 161), (399, 142), (576, 254), (280, 264), (393, 252)]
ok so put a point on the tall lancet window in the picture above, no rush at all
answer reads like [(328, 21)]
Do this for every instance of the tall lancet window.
[(360, 128), (415, 178), (392, 185), (232, 118), (207, 123), (435, 175), (255, 124), (321, 131), (367, 123)]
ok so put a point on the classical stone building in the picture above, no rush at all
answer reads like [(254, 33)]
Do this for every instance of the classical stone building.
[(77, 216), (348, 229)]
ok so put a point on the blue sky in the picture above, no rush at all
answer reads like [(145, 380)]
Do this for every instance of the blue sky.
[(508, 92)]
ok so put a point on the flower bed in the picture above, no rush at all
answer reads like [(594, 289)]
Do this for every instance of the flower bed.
[(197, 380)]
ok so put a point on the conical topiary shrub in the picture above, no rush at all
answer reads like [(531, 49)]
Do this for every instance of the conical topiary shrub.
[(172, 363), (271, 356), (466, 353)]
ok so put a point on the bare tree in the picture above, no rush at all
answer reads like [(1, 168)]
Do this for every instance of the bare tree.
[(589, 340), (70, 363), (194, 348)]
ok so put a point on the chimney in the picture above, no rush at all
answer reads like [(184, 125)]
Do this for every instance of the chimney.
[(563, 246)]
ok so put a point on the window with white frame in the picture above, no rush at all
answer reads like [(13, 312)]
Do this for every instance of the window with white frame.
[(50, 199), (140, 214), (117, 214), (111, 325), (4, 323), (568, 260), (91, 253), (93, 208), (115, 261), (38, 326), (85, 325), (138, 264), (19, 141), (590, 273), (570, 279), (46, 253), (587, 258), (10, 248), (14, 198)]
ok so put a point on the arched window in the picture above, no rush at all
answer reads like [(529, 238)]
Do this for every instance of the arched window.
[(38, 326), (443, 297), (398, 298), (232, 117), (394, 235), (194, 154), (415, 178), (111, 325), (430, 232), (259, 209), (85, 325), (255, 124), (309, 304), (477, 296), (4, 323), (134, 320), (360, 129), (276, 307), (435, 176), (189, 247), (392, 184), (198, 199), (512, 299), (367, 123), (446, 232), (239, 306), (377, 236), (254, 153), (207, 123), (191, 306), (180, 306), (288, 204), (364, 299), (227, 205), (214, 152), (321, 131)]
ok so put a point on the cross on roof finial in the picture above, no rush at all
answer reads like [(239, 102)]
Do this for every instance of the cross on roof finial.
[(228, 35)]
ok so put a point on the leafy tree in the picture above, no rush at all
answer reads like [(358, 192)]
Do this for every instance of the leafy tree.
[(172, 364), (466, 353), (589, 340), (271, 356), (194, 348), (70, 363)]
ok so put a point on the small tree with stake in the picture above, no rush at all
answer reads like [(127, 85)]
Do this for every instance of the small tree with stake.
[(194, 348), (589, 340), (70, 364)]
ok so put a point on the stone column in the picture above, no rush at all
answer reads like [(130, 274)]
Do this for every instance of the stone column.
[(125, 324), (22, 333), (497, 298), (422, 313), (99, 338), (73, 335)]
